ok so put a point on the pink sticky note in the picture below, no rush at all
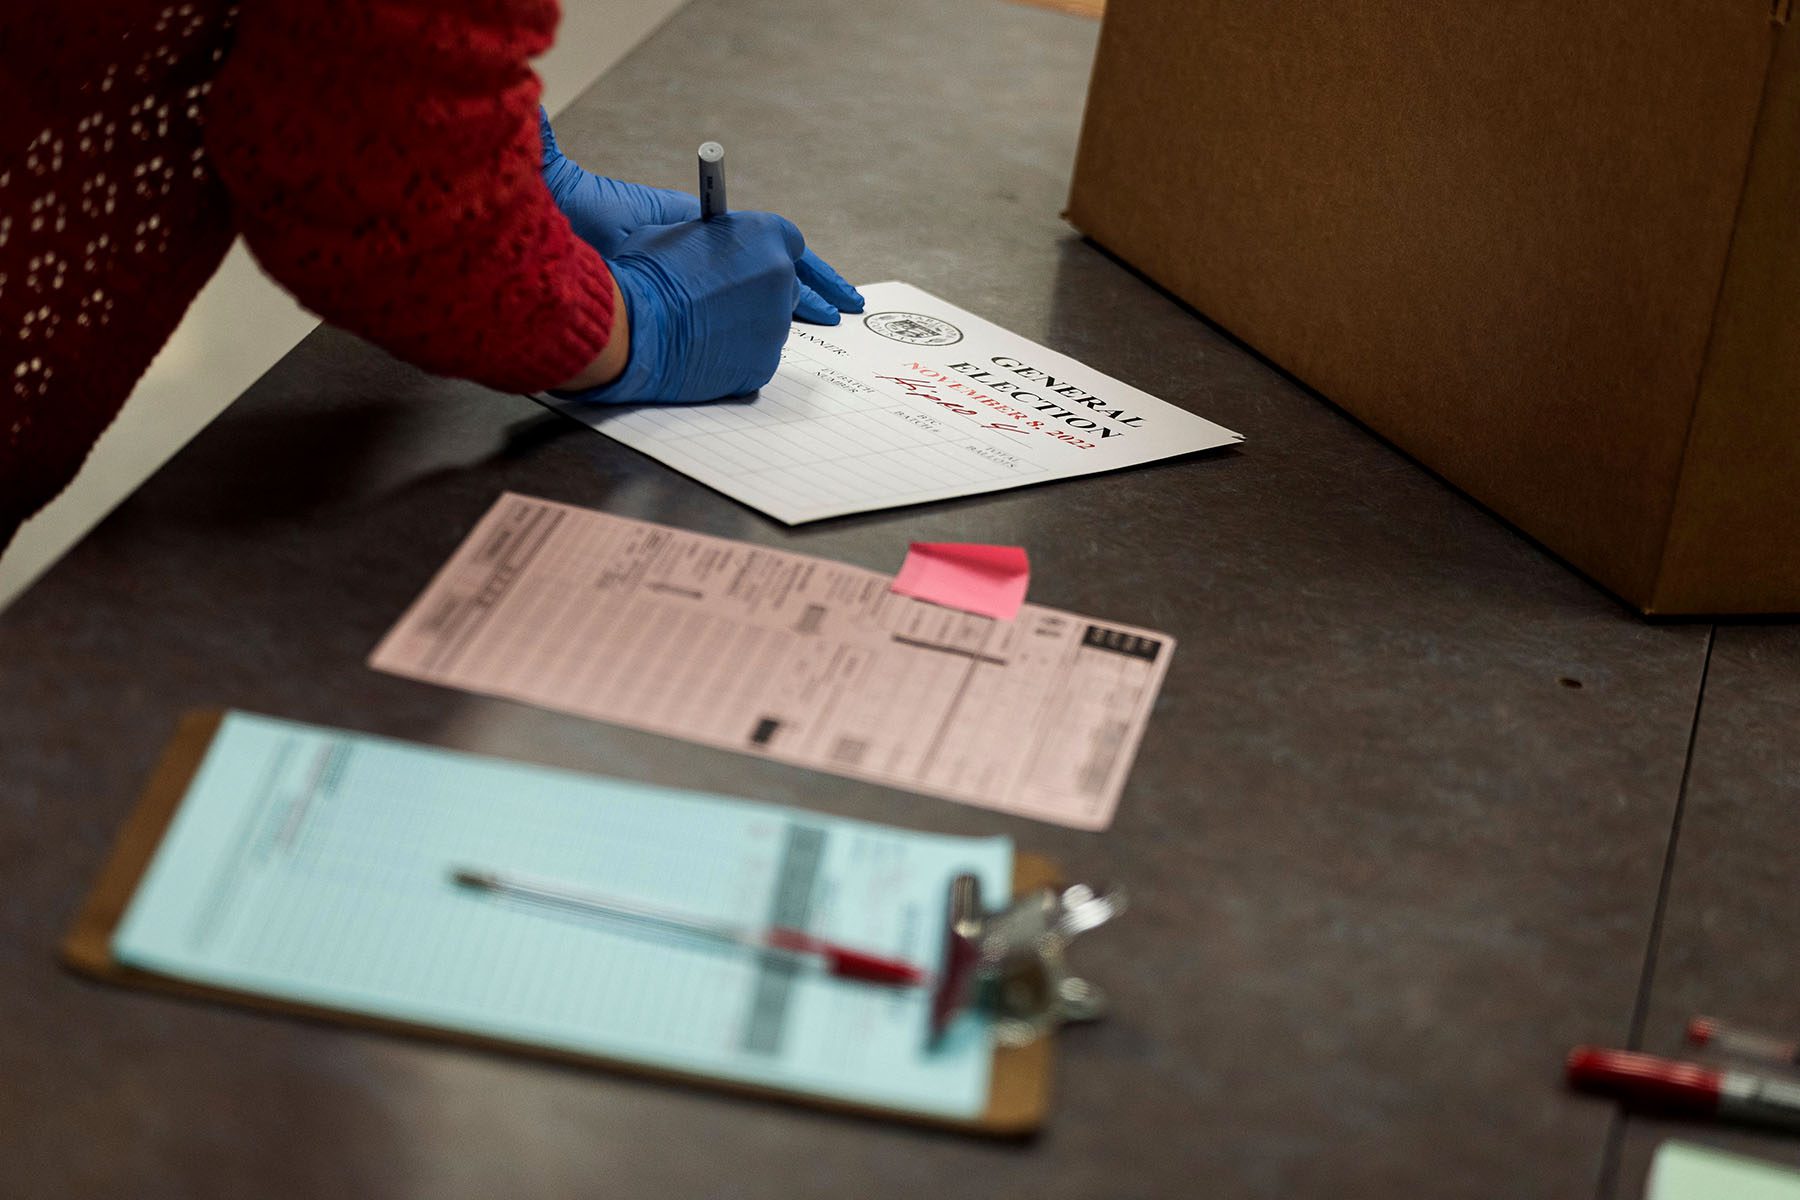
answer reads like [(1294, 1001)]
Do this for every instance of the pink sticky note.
[(989, 580)]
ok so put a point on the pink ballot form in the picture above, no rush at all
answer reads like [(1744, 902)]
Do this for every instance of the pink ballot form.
[(785, 656), (987, 580)]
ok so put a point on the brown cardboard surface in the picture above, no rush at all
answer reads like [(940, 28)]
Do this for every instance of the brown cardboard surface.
[(1733, 545), (1018, 1093), (1495, 233)]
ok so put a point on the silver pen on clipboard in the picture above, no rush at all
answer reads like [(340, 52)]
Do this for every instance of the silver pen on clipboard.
[(840, 961)]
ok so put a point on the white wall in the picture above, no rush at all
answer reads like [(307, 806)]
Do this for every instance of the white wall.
[(241, 324)]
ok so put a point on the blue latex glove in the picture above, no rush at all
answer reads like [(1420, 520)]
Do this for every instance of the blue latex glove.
[(604, 212), (708, 303)]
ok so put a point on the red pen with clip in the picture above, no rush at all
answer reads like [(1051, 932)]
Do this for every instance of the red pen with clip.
[(843, 962)]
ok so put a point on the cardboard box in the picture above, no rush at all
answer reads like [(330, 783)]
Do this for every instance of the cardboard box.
[(1550, 248)]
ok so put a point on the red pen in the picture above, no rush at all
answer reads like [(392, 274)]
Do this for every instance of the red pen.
[(843, 962), (1704, 1031), (1688, 1089)]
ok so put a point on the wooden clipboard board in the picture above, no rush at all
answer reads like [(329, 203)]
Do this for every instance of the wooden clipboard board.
[(1018, 1089)]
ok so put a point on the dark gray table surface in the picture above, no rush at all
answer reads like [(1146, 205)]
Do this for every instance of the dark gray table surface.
[(1397, 832), (1732, 919)]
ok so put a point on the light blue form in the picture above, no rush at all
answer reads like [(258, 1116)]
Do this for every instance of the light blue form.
[(314, 865), (1685, 1171)]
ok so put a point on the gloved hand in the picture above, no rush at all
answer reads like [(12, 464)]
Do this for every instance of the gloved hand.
[(604, 212), (708, 303)]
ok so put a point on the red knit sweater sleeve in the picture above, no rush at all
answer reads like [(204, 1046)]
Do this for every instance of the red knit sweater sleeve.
[(382, 161)]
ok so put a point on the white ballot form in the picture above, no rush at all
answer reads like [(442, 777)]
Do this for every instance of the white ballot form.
[(911, 400), (786, 656)]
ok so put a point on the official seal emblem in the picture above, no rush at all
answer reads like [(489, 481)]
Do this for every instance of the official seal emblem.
[(913, 328)]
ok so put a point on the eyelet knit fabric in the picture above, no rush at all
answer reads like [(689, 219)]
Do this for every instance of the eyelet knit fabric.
[(379, 157)]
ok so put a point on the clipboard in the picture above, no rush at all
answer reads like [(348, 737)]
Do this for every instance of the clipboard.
[(1018, 1088)]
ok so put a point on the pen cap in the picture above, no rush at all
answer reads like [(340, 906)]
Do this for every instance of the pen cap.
[(1645, 1080), (712, 180)]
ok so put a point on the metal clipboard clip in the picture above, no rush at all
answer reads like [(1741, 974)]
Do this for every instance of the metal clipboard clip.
[(1010, 962)]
